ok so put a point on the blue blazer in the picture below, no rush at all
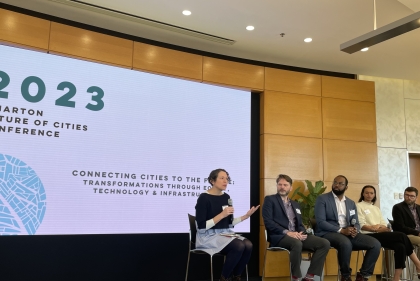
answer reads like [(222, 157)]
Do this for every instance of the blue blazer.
[(276, 220), (326, 214)]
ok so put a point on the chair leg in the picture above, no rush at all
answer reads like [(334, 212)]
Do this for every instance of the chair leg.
[(211, 267), (246, 269), (384, 265), (357, 260), (290, 268), (188, 263), (338, 267), (263, 272), (410, 269)]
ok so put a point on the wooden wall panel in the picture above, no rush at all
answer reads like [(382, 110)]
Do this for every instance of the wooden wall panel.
[(166, 61), (269, 187), (292, 82), (358, 161), (234, 74), (292, 114), (350, 89), (298, 157), (24, 31), (93, 46), (349, 120)]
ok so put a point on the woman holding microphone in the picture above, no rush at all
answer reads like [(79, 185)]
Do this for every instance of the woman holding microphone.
[(214, 221)]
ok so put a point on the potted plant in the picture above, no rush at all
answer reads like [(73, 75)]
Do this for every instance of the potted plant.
[(307, 200)]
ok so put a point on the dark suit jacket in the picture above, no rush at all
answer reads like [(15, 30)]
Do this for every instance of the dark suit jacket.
[(403, 219), (276, 220), (326, 214)]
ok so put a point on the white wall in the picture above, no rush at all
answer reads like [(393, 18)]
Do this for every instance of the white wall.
[(398, 131)]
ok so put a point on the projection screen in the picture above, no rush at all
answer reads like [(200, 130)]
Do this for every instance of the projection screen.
[(87, 148)]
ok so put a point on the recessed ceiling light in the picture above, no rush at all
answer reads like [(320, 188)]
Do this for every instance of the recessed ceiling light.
[(364, 49), (186, 12), (249, 27), (307, 40)]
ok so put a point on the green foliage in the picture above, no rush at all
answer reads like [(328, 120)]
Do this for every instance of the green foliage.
[(307, 202)]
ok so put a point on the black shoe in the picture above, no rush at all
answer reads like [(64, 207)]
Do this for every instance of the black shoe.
[(236, 278), (359, 277), (222, 278), (346, 278)]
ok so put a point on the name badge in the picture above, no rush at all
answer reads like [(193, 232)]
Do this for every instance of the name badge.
[(352, 212), (367, 212), (298, 211)]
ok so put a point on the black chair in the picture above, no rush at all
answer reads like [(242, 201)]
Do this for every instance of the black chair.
[(280, 249), (193, 250), (274, 249), (391, 222)]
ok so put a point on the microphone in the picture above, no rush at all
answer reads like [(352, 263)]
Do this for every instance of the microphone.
[(230, 204), (308, 231), (352, 223)]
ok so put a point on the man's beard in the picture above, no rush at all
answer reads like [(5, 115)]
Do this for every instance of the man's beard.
[(285, 193), (410, 203), (338, 192)]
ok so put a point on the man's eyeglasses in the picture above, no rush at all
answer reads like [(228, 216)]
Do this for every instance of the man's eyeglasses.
[(339, 183), (410, 196)]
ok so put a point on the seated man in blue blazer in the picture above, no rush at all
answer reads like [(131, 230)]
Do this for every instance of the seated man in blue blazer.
[(283, 222), (337, 221)]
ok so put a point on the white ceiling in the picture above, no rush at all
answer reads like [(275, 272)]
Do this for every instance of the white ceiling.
[(329, 22)]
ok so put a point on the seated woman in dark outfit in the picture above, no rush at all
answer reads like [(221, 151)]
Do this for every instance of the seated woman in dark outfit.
[(214, 223), (372, 223)]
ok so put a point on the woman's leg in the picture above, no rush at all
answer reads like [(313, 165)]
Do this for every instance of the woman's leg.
[(410, 253), (394, 241), (416, 261), (246, 255), (397, 274), (237, 254)]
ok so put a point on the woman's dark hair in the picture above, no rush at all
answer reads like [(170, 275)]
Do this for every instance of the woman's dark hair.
[(363, 190), (213, 175)]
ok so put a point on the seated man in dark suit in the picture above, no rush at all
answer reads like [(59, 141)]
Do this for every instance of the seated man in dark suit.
[(283, 222), (406, 216), (337, 221)]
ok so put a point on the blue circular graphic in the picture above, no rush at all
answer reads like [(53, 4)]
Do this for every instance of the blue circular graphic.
[(22, 197)]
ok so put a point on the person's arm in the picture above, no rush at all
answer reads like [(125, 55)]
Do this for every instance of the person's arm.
[(354, 216), (321, 216), (267, 214), (367, 222), (201, 214), (299, 227), (399, 224), (383, 223), (362, 219), (246, 216)]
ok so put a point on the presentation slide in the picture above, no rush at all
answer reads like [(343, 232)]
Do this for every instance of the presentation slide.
[(87, 148)]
